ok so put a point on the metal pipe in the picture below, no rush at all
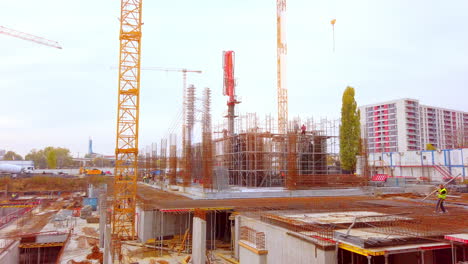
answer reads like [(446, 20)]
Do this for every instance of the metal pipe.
[(160, 233), (336, 251), (453, 253)]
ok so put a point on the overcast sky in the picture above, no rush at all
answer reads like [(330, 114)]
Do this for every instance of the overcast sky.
[(385, 49)]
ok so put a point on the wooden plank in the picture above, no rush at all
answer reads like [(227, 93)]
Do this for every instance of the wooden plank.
[(182, 246)]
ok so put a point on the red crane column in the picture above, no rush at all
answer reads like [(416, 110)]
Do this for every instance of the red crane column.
[(229, 88)]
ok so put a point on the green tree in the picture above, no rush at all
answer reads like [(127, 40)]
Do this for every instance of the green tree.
[(64, 158), (350, 130), (38, 157), (51, 158), (11, 155)]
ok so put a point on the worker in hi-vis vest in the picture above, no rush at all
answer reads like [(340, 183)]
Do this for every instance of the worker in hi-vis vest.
[(441, 194)]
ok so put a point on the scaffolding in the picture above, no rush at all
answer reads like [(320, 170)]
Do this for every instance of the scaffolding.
[(207, 146), (249, 151), (256, 156)]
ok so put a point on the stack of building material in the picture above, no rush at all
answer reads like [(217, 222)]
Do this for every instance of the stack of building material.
[(86, 211)]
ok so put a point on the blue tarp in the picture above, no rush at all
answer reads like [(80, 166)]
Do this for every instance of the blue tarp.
[(92, 202)]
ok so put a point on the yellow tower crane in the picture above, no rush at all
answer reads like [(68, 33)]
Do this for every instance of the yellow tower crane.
[(126, 147), (29, 37), (281, 51)]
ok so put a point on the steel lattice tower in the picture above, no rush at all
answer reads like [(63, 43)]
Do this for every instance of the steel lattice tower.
[(126, 152), (281, 51)]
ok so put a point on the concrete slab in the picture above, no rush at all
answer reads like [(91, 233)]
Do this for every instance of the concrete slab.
[(378, 251), (198, 193), (462, 238), (237, 193), (342, 217), (372, 238)]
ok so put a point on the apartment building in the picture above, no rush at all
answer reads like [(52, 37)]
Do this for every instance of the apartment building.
[(406, 125)]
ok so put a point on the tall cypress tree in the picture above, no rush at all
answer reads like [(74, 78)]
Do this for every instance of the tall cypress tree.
[(350, 131)]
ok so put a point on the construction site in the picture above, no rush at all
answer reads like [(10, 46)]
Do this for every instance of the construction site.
[(249, 189)]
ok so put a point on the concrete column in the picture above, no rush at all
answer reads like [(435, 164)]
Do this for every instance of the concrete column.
[(90, 191), (337, 249), (199, 241), (237, 224), (10, 254), (422, 256), (107, 246), (369, 259), (454, 253)]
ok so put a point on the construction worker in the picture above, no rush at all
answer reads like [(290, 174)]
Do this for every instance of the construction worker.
[(441, 194), (303, 129)]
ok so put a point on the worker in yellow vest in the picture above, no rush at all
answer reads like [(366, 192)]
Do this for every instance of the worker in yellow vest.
[(441, 194)]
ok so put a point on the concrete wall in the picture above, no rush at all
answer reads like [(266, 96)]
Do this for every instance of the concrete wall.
[(51, 238), (10, 254), (247, 256), (144, 224), (150, 223), (283, 248)]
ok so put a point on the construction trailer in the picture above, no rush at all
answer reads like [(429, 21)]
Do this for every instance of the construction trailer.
[(423, 166)]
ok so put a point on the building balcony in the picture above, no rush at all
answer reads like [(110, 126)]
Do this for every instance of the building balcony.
[(412, 122)]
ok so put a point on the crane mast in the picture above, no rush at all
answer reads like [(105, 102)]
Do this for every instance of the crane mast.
[(229, 87), (126, 150), (281, 51)]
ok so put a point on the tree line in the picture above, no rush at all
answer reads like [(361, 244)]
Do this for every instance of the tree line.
[(56, 158), (51, 158)]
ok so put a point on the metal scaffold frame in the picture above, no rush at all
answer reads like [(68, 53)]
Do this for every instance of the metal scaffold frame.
[(257, 156), (281, 50)]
